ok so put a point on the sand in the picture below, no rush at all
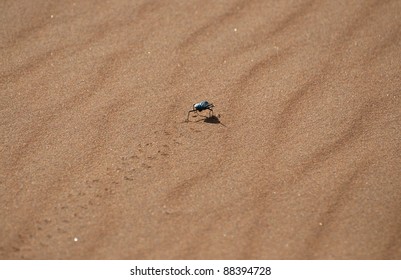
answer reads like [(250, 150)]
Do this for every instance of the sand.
[(301, 161)]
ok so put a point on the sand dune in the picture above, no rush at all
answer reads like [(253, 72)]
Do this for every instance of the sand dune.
[(97, 161)]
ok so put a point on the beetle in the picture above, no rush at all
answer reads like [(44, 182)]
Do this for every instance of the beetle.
[(199, 107)]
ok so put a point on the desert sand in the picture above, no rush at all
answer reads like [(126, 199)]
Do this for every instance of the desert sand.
[(300, 161)]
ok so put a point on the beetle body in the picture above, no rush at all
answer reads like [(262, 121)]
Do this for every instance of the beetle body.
[(203, 105)]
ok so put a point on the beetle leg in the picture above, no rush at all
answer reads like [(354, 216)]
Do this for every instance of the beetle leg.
[(189, 113)]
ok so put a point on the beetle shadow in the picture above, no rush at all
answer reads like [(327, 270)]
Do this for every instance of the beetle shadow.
[(212, 119)]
